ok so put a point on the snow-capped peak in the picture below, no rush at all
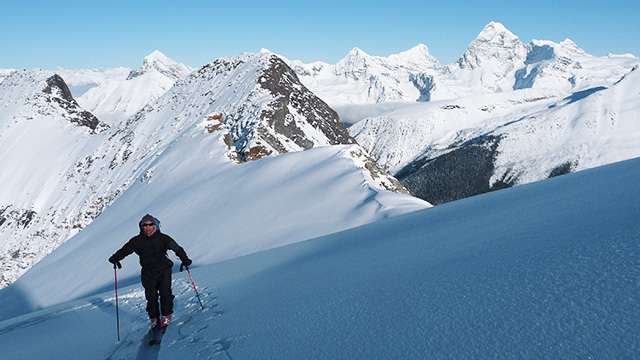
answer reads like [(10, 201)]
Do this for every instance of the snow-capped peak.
[(157, 61), (571, 47), (116, 100), (495, 30), (357, 52), (494, 42), (417, 57)]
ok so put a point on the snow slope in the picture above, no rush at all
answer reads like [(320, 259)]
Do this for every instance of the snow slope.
[(544, 270), (119, 98), (218, 210)]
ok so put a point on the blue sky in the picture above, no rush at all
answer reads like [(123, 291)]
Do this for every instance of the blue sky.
[(93, 34)]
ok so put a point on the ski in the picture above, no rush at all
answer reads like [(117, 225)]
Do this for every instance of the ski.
[(157, 335)]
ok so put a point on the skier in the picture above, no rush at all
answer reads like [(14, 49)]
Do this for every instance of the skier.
[(151, 246)]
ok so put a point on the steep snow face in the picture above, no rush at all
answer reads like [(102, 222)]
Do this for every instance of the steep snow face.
[(121, 97), (496, 46), (362, 78)]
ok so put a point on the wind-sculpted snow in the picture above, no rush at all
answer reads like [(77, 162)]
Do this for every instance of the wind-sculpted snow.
[(545, 270)]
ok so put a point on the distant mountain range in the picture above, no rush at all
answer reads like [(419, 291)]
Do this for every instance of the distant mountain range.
[(506, 113), (74, 142)]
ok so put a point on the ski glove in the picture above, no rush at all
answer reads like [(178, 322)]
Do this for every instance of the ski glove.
[(115, 262), (186, 264)]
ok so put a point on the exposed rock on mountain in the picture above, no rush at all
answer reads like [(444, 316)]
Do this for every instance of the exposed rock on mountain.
[(260, 104), (57, 88)]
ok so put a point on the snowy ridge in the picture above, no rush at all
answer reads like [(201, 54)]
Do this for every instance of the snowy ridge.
[(234, 105), (362, 78), (256, 101), (545, 270)]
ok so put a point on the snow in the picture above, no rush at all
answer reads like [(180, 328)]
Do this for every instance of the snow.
[(113, 95), (544, 270), (219, 210), (541, 128)]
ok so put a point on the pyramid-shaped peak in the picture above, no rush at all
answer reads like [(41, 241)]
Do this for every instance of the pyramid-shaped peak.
[(495, 31), (156, 55), (357, 52), (157, 61), (494, 44)]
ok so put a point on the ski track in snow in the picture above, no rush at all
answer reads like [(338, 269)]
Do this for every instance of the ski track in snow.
[(190, 325)]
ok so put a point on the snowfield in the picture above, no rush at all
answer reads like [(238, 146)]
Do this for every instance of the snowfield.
[(544, 270)]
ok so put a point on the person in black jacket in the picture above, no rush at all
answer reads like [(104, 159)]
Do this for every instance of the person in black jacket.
[(151, 246)]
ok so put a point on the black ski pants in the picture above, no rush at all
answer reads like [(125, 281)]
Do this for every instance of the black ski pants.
[(158, 283)]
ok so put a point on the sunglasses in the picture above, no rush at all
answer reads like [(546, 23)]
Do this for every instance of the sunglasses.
[(149, 224)]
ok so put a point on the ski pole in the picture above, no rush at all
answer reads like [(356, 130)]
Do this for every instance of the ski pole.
[(115, 273), (194, 287)]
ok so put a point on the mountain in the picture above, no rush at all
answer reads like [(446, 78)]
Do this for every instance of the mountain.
[(476, 144), (544, 270), (479, 124), (495, 61), (362, 78), (44, 133), (229, 112), (123, 92)]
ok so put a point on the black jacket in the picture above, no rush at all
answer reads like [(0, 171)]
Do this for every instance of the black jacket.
[(152, 250)]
